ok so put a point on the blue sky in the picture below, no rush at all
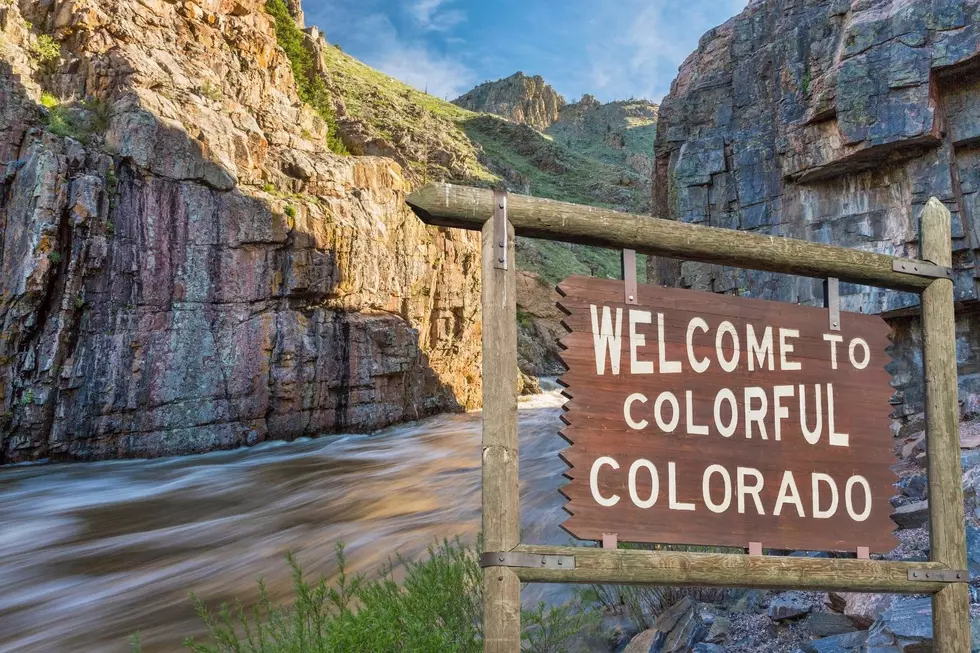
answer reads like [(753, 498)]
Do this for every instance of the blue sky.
[(614, 49)]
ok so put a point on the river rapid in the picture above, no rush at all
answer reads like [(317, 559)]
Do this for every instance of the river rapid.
[(93, 553)]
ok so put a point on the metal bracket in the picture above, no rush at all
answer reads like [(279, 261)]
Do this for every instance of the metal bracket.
[(530, 560), (629, 275), (500, 228), (920, 269), (831, 295), (941, 576)]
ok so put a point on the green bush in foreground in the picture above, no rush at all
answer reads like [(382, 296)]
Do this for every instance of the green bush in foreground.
[(437, 608)]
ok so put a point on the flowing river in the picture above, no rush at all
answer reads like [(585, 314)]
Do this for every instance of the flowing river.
[(92, 553)]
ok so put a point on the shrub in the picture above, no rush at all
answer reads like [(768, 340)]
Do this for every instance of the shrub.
[(80, 122), (557, 629), (291, 211), (436, 609), (210, 91), (45, 50), (524, 319), (310, 86)]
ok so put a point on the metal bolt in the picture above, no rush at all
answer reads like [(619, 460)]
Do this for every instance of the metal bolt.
[(631, 297), (833, 324), (559, 562), (502, 205), (500, 244), (501, 558), (501, 259)]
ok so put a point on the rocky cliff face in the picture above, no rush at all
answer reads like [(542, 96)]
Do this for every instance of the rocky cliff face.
[(621, 133), (602, 155), (832, 121), (523, 99), (185, 264)]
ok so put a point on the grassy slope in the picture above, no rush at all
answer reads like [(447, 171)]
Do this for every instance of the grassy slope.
[(585, 133), (440, 141)]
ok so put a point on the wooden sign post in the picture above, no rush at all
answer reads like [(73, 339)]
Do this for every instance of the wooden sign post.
[(711, 470), (698, 418)]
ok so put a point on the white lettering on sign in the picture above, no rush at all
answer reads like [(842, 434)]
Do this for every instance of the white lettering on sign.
[(718, 420), (706, 488), (865, 357), (699, 366), (834, 339), (594, 481), (729, 364), (633, 424), (760, 353), (666, 366), (605, 339), (667, 414), (654, 484), (638, 340), (785, 349), (818, 512), (719, 491)]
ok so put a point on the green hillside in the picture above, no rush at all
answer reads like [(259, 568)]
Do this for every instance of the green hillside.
[(435, 140)]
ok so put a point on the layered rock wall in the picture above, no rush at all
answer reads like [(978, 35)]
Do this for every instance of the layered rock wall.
[(832, 121), (185, 265), (525, 100)]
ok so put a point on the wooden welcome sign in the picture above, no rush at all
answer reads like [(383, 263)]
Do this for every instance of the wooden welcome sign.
[(698, 418)]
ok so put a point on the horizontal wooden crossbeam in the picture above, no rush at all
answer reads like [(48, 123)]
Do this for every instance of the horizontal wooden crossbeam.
[(635, 567), (465, 207)]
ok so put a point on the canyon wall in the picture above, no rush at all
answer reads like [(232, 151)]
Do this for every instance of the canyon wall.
[(185, 265), (525, 100), (833, 121)]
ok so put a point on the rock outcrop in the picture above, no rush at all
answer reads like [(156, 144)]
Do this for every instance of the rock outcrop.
[(608, 148), (525, 100), (185, 265), (832, 121), (621, 133)]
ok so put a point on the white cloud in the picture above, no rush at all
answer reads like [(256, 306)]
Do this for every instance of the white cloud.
[(432, 15), (642, 59), (379, 44), (442, 76)]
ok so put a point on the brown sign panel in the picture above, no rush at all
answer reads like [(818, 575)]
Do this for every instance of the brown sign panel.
[(697, 418)]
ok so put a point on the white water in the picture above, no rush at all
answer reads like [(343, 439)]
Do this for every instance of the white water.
[(92, 553)]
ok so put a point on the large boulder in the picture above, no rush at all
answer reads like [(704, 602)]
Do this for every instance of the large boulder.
[(790, 606), (862, 608), (844, 643), (676, 630), (906, 627), (826, 624), (912, 515)]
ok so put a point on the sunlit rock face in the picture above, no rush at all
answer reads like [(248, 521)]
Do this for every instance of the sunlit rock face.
[(185, 266), (832, 121), (526, 100)]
